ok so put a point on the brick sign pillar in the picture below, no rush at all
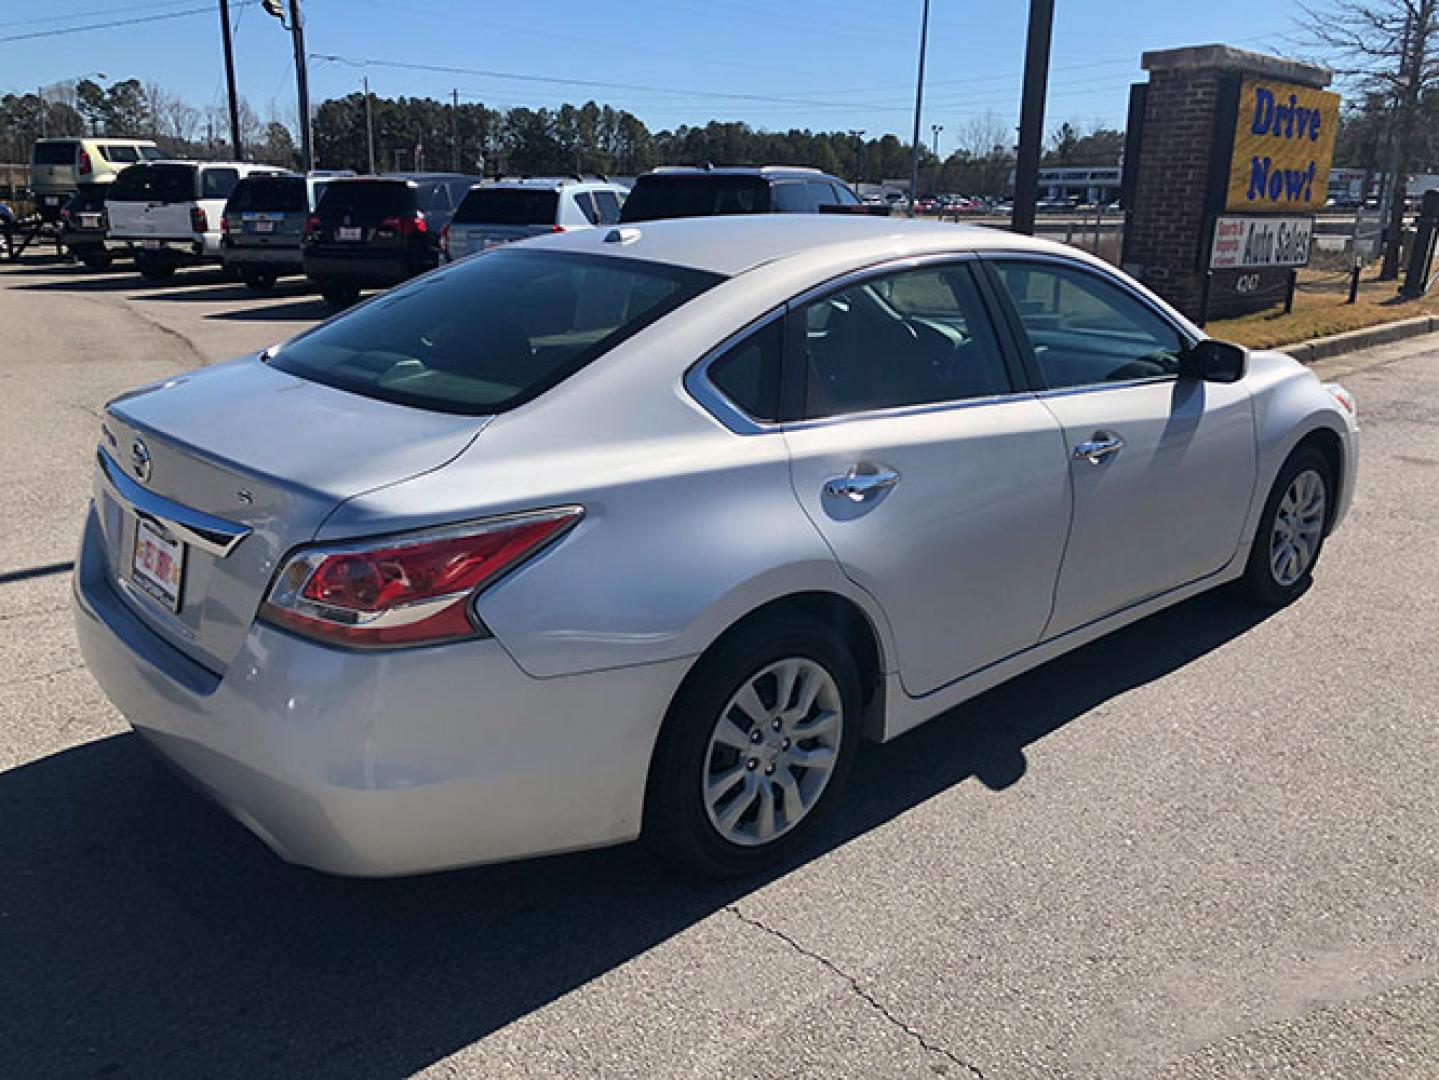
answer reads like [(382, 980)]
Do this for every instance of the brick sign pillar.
[(1190, 169)]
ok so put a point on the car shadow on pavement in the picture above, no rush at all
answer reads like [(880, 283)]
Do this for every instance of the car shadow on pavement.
[(305, 309), (125, 279), (143, 933)]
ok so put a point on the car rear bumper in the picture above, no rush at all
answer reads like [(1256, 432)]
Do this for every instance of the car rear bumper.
[(366, 268), (188, 249), (267, 256), (384, 763)]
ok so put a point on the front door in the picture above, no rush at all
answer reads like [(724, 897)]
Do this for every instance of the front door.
[(941, 491), (1162, 468)]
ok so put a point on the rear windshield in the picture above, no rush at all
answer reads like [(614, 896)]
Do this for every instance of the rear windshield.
[(490, 333), (154, 183), (368, 197), (54, 153), (279, 193), (508, 206), (656, 197)]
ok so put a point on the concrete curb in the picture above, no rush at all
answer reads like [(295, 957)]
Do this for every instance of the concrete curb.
[(1306, 352)]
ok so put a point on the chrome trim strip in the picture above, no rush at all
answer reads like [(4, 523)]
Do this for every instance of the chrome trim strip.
[(711, 398), (210, 534), (879, 269)]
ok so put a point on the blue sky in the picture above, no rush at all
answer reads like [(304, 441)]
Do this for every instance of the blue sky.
[(822, 64)]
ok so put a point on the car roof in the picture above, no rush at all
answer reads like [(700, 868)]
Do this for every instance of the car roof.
[(547, 183), (733, 243), (781, 171)]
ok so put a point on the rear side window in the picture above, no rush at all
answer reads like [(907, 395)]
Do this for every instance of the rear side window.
[(54, 153), (218, 183), (656, 197), (379, 198), (120, 154), (279, 193), (492, 332), (433, 197), (508, 206), (154, 183), (749, 372), (609, 205), (843, 196), (795, 197), (152, 153), (586, 202)]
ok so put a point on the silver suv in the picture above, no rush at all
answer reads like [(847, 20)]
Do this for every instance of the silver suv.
[(507, 210)]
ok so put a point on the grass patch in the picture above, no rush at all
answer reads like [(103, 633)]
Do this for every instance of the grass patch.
[(1320, 309)]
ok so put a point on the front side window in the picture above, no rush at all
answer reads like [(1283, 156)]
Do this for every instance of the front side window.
[(794, 197), (490, 333), (218, 183), (152, 153), (1085, 331), (609, 206), (916, 337)]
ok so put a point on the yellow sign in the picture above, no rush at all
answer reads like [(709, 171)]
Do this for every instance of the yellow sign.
[(1283, 147)]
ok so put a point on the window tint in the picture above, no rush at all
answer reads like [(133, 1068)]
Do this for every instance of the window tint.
[(491, 332), (1084, 330), (586, 202), (120, 154), (821, 193), (657, 196), (609, 204), (367, 198), (218, 183), (54, 153), (286, 193), (912, 338), (508, 206), (434, 196), (152, 153), (154, 183), (844, 197), (749, 372), (794, 197)]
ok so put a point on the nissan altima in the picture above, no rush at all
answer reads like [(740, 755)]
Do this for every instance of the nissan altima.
[(642, 531)]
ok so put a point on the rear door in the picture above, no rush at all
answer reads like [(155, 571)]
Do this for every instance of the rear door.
[(152, 202), (1162, 468), (491, 216), (267, 212), (936, 478), (350, 214), (52, 171)]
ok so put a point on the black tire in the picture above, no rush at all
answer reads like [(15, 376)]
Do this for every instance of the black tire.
[(677, 824), (155, 267), (98, 259), (340, 294), (1259, 581), (259, 280)]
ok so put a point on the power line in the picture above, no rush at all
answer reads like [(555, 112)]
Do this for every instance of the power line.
[(94, 11), (115, 23)]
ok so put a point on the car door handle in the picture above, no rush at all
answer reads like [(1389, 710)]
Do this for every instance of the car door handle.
[(1099, 449), (862, 482)]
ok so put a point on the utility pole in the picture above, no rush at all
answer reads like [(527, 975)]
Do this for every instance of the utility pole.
[(236, 148), (44, 109), (857, 134), (918, 107), (455, 130), (369, 126), (302, 82), (1031, 114)]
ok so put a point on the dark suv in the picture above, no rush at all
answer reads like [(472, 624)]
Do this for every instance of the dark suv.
[(377, 231), (83, 222), (694, 191), (263, 221)]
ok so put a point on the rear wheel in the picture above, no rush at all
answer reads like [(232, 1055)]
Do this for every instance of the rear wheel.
[(155, 267), (754, 749), (340, 293), (259, 280), (97, 259), (1291, 529)]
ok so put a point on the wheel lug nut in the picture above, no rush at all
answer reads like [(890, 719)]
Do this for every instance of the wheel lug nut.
[(755, 736), (769, 770), (784, 745), (776, 723), (752, 763)]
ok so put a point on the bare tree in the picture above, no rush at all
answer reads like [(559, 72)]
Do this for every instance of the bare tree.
[(1388, 48), (985, 134)]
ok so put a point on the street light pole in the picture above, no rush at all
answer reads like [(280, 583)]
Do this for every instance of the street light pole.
[(1031, 114), (369, 126), (302, 86), (235, 146), (935, 129), (918, 107)]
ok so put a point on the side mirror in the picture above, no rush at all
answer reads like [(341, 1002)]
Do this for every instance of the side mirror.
[(1213, 361)]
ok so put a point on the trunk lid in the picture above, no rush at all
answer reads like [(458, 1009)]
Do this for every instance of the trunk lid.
[(250, 450)]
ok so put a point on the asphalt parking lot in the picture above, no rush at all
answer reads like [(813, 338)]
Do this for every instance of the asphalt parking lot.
[(1207, 846)]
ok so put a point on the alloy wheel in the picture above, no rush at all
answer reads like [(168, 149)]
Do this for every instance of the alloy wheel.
[(1298, 528)]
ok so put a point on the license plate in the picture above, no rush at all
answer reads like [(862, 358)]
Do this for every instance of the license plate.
[(89, 221), (52, 200), (157, 564), (150, 245), (345, 232), (264, 226)]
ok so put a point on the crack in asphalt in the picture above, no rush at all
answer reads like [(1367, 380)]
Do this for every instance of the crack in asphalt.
[(854, 984)]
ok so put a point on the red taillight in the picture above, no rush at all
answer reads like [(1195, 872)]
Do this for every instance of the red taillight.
[(224, 226), (557, 228), (445, 239), (198, 221), (86, 168), (413, 590), (312, 226), (405, 226)]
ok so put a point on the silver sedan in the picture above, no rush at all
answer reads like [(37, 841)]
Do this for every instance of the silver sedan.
[(641, 531)]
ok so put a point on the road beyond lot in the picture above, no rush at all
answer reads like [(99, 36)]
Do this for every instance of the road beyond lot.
[(1207, 846)]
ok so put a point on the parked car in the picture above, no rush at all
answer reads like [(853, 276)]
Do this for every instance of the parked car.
[(507, 210), (263, 222), (691, 191), (167, 213), (59, 166), (639, 531), (377, 231), (83, 224)]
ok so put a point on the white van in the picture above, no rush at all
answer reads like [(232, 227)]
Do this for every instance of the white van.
[(167, 214), (59, 166)]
